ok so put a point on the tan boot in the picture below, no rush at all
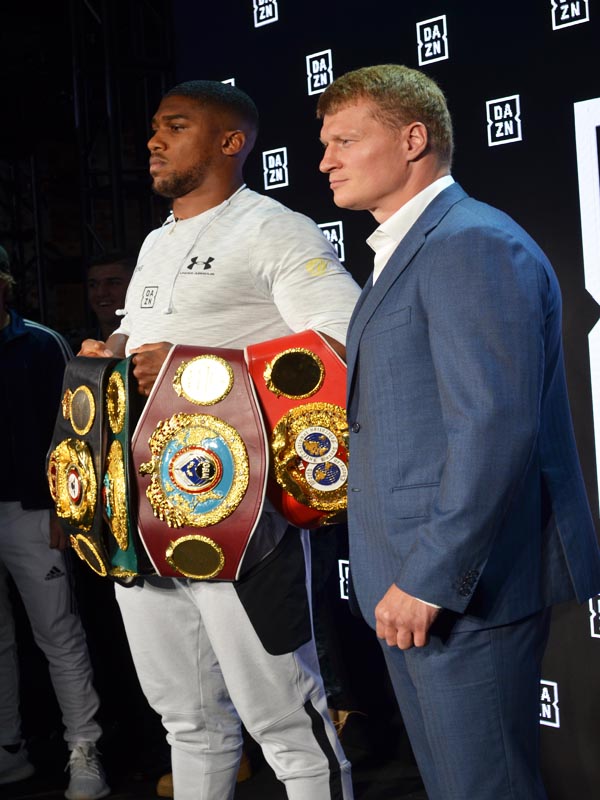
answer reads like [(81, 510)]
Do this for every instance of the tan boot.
[(245, 768), (340, 718), (164, 787)]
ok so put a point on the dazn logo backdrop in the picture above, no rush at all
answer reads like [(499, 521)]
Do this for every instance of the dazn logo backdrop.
[(523, 86)]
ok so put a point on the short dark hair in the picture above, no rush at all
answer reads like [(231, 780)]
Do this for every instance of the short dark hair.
[(221, 97), (124, 259), (399, 95)]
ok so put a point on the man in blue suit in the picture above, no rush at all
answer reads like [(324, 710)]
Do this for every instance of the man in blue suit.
[(468, 516)]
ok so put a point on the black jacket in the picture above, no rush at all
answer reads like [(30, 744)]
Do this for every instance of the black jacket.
[(32, 363)]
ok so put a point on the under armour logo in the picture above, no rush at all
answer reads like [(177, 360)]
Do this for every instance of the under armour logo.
[(194, 262)]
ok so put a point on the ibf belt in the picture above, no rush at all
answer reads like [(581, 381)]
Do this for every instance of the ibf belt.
[(123, 405), (301, 385), (200, 457), (75, 462)]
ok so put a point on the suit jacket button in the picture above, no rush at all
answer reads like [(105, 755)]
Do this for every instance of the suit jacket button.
[(355, 427)]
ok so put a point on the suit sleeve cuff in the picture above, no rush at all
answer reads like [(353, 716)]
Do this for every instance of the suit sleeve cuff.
[(433, 605)]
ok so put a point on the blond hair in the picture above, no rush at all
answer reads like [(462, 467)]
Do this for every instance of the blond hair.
[(399, 95)]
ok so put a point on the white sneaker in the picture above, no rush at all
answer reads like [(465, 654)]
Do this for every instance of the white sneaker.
[(14, 766), (88, 781)]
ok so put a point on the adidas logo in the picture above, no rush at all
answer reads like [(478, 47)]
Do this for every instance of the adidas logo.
[(55, 572)]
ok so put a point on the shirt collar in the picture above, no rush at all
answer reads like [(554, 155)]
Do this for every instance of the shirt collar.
[(386, 238)]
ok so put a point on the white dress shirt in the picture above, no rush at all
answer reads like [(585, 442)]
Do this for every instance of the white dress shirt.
[(386, 238)]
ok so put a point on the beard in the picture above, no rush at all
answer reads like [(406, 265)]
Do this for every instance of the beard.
[(178, 184)]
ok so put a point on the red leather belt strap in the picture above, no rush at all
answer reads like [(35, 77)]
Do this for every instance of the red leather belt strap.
[(301, 385)]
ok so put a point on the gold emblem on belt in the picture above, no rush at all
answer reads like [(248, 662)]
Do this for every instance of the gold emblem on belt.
[(295, 373), (204, 380), (310, 452), (115, 402), (72, 481), (199, 470), (115, 495)]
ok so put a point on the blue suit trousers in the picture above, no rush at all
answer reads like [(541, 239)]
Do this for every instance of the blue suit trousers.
[(470, 700)]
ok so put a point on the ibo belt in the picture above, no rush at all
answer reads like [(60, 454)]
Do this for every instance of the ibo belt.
[(301, 384)]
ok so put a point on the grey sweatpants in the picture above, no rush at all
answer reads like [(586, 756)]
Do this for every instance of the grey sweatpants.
[(203, 667)]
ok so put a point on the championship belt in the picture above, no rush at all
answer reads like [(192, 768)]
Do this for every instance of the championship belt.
[(123, 405), (301, 385), (75, 463), (200, 457)]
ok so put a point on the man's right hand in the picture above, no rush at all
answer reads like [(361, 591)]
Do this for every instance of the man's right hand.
[(93, 348), (113, 347), (402, 620)]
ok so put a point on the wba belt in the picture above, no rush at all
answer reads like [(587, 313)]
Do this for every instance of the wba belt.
[(301, 385), (200, 457), (76, 459), (88, 465)]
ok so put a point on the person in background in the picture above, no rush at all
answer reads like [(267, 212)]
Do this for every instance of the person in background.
[(468, 517), (32, 552), (107, 281)]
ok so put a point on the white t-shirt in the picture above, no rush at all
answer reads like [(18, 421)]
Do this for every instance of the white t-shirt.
[(246, 271)]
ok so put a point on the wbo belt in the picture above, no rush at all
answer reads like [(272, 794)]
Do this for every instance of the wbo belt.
[(301, 385), (200, 458)]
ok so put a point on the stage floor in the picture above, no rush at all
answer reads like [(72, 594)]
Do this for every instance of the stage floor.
[(375, 778)]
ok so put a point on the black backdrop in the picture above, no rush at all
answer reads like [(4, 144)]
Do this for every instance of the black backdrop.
[(539, 58)]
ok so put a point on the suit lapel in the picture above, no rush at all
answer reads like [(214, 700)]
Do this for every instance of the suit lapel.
[(372, 295)]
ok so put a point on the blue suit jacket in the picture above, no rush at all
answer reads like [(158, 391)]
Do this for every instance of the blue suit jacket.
[(465, 487)]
